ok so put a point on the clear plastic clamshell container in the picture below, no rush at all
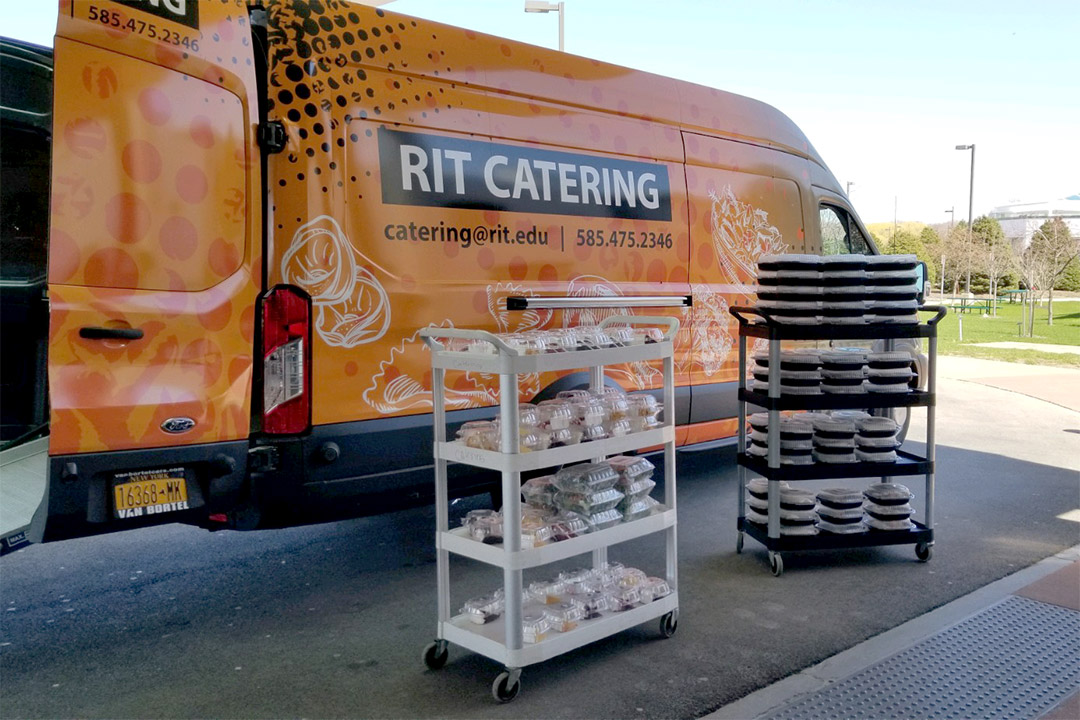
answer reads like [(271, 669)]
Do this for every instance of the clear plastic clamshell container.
[(564, 436), (590, 433), (484, 609), (524, 344), (596, 603), (535, 626), (534, 441), (624, 598), (479, 434), (547, 592), (591, 411), (484, 525), (578, 582), (555, 414), (888, 493), (565, 615), (586, 477), (639, 509), (606, 519), (637, 489), (631, 469), (539, 492), (654, 588), (568, 525), (643, 404), (620, 428), (616, 405), (528, 415), (535, 529), (588, 503)]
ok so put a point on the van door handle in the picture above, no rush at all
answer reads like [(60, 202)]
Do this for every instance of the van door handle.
[(107, 333)]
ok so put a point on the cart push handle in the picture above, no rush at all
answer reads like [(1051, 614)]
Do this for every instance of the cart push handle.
[(432, 335)]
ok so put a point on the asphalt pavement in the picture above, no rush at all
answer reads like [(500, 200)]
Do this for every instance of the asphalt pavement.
[(330, 620)]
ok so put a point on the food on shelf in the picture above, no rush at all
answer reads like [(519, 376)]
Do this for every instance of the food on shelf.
[(482, 610)]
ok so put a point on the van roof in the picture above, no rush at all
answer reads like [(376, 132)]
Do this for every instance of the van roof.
[(495, 64)]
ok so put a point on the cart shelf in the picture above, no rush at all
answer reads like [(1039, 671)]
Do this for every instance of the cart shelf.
[(552, 457), (829, 541), (906, 464), (860, 401), (490, 639), (458, 542)]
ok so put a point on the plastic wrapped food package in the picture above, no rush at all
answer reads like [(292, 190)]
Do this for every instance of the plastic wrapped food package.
[(547, 592), (639, 509), (796, 499), (534, 441), (851, 528), (642, 404), (798, 530), (563, 437), (757, 517), (840, 498), (567, 525), (840, 514), (528, 416), (591, 433), (524, 344), (579, 581), (593, 338), (590, 411), (595, 604), (654, 588), (539, 492), (484, 525), (573, 396), (888, 512), (588, 503), (888, 493), (640, 423), (478, 434), (605, 519), (609, 572), (796, 457), (834, 455), (535, 626), (637, 489), (535, 529), (876, 524), (623, 599), (616, 405), (619, 428), (555, 414), (565, 615), (482, 610), (798, 517), (759, 487), (630, 469), (586, 477), (876, 427), (881, 455)]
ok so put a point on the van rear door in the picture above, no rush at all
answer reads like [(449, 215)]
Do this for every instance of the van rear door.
[(154, 265)]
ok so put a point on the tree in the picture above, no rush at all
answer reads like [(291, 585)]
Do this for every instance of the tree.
[(991, 252), (954, 250), (932, 249), (1056, 248), (1070, 279), (908, 243)]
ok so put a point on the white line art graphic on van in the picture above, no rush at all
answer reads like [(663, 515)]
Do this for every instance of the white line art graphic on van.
[(351, 306), (392, 391), (741, 234)]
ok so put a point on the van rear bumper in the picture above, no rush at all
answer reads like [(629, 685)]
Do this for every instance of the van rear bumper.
[(78, 497)]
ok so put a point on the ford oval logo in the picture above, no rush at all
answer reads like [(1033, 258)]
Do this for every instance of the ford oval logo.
[(177, 425)]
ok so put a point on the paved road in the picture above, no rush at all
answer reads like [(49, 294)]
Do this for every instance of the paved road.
[(329, 620)]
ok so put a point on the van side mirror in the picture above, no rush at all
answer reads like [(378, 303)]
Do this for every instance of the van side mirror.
[(923, 284)]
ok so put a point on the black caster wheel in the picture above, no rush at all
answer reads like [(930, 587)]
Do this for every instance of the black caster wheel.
[(506, 687), (669, 623), (924, 551), (739, 544), (776, 563), (435, 654)]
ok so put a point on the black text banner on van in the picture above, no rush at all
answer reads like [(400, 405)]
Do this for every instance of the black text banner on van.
[(437, 171)]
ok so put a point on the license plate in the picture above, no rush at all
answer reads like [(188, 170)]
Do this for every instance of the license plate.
[(149, 492)]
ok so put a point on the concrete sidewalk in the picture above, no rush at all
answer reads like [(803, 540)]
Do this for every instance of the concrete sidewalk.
[(1057, 385)]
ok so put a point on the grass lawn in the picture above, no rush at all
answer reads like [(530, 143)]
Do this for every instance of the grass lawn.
[(1003, 328)]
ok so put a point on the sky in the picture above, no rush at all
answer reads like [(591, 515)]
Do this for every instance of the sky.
[(884, 89)]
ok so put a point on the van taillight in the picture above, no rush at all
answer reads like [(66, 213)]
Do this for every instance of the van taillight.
[(286, 375)]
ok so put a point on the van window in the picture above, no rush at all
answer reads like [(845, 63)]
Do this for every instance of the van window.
[(840, 234)]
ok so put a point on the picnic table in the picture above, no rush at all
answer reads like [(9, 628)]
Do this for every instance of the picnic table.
[(962, 304), (1013, 295)]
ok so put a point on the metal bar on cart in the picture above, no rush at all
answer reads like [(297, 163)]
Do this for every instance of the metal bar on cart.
[(774, 432), (567, 302), (442, 519), (511, 489)]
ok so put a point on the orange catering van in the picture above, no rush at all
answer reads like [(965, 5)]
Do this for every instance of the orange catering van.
[(256, 207)]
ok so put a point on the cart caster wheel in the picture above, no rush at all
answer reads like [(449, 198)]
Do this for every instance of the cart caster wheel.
[(669, 623), (739, 544), (506, 688), (924, 551), (435, 654), (776, 563)]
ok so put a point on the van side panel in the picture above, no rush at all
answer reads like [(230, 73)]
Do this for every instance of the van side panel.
[(386, 245), (746, 202)]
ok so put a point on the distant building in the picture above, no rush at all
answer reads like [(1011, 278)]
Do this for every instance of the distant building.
[(1020, 221)]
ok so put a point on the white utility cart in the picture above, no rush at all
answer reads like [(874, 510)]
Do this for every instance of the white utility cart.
[(503, 640)]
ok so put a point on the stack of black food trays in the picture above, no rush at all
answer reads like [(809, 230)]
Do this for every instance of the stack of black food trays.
[(830, 298)]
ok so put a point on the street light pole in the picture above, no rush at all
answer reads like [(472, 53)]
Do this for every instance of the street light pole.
[(541, 6), (848, 191), (971, 200), (952, 217)]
